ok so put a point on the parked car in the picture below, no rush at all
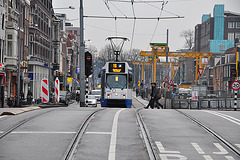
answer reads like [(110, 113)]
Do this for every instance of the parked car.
[(97, 94), (92, 100), (64, 97)]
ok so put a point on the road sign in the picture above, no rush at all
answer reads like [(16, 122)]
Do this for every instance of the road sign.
[(204, 60), (171, 88), (171, 82), (166, 80), (194, 95), (165, 85), (200, 71), (235, 85)]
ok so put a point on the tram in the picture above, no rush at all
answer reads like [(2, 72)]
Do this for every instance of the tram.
[(116, 85)]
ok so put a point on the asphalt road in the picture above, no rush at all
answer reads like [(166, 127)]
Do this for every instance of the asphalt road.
[(113, 133)]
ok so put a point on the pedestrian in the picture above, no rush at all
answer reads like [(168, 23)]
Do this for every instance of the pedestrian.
[(29, 96), (21, 95), (78, 97), (155, 96), (137, 92)]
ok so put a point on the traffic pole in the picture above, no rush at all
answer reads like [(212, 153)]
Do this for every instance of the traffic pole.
[(235, 100)]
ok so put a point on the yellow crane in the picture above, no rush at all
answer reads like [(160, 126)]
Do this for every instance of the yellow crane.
[(174, 72), (159, 50)]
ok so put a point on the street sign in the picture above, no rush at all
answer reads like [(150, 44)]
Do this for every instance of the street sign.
[(171, 82), (171, 88), (200, 71), (165, 85), (166, 80), (235, 85), (194, 95), (204, 60)]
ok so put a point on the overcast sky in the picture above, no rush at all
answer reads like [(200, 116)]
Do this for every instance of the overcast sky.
[(99, 29)]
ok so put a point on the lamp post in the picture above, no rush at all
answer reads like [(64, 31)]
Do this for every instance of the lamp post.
[(19, 52)]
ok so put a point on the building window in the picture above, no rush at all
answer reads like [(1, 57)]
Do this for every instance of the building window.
[(3, 21), (9, 48), (237, 24), (237, 35), (230, 24), (230, 36)]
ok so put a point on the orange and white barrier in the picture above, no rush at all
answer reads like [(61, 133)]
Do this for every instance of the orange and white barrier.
[(57, 87), (44, 90)]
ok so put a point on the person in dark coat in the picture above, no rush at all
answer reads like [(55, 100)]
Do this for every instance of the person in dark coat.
[(29, 96), (155, 96)]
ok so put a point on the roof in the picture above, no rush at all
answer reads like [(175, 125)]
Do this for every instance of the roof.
[(229, 13)]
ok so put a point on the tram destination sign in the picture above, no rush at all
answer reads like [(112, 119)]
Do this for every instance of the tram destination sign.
[(117, 67)]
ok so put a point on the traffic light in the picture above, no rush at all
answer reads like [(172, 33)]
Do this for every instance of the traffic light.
[(88, 64)]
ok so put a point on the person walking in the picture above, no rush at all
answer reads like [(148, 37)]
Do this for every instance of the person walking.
[(155, 96), (78, 97)]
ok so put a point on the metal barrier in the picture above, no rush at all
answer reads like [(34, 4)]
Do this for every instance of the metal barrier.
[(216, 103)]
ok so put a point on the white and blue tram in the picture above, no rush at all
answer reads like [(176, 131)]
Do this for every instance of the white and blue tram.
[(116, 86)]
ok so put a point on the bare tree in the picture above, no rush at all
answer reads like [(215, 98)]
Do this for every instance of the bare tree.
[(189, 38)]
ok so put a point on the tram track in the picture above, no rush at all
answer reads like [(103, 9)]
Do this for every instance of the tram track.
[(153, 155), (69, 154), (20, 123), (213, 133)]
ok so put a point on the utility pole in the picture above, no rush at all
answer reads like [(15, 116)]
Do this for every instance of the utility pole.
[(19, 53), (82, 58)]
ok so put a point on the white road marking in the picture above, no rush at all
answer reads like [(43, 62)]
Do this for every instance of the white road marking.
[(162, 150), (221, 149), (1, 132), (113, 142), (165, 157), (229, 158), (198, 148), (38, 132), (98, 133), (227, 117), (2, 116), (207, 157), (238, 145)]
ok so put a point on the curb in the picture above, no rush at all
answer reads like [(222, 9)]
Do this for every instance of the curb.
[(19, 110)]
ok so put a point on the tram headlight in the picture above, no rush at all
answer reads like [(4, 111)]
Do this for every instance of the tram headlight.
[(108, 95), (116, 94), (124, 96)]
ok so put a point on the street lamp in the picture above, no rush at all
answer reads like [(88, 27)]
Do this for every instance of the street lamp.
[(50, 48)]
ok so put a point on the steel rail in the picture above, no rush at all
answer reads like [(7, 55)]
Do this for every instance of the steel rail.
[(213, 133), (22, 122), (76, 139), (146, 137)]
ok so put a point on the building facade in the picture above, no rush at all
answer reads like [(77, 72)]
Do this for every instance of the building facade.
[(39, 44)]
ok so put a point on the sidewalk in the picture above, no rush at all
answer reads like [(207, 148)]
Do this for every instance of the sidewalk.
[(139, 99), (15, 111)]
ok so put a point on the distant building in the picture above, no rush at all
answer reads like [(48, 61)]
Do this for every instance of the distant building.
[(216, 34)]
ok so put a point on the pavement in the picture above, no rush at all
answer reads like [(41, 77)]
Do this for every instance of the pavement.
[(15, 111)]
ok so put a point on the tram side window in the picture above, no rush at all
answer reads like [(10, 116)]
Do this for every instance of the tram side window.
[(116, 81)]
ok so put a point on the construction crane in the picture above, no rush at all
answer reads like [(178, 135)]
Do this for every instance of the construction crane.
[(173, 71), (159, 50)]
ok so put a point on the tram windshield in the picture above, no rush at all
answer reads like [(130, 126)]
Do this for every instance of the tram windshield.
[(116, 81)]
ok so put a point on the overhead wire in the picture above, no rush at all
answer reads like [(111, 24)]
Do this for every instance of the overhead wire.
[(134, 25), (160, 14), (113, 16)]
